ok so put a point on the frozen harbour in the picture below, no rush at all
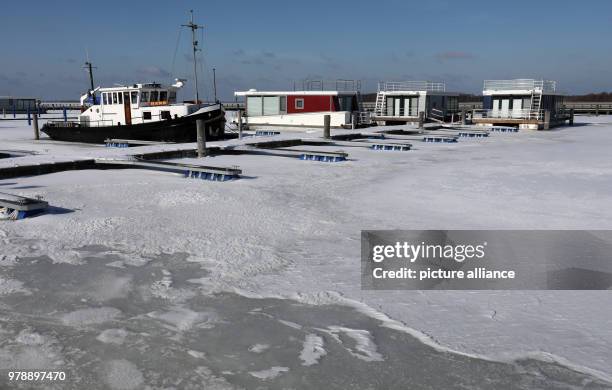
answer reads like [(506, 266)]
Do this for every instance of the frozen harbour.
[(140, 278)]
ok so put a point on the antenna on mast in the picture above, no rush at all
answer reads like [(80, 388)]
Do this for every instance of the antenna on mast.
[(194, 42), (89, 66)]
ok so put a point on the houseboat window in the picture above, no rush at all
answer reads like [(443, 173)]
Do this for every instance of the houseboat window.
[(254, 105), (153, 96), (172, 97), (163, 96), (104, 98), (299, 104), (283, 104), (144, 97), (134, 96), (114, 97), (120, 97), (166, 115), (146, 115)]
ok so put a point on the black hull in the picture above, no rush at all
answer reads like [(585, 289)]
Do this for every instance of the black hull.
[(171, 130)]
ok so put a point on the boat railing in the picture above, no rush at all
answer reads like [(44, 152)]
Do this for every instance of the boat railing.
[(526, 114), (343, 85), (396, 86), (520, 84)]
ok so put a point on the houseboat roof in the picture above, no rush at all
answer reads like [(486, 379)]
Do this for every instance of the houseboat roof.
[(254, 92), (413, 88), (138, 86), (519, 87)]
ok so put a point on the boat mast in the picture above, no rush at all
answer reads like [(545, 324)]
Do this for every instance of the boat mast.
[(194, 42), (89, 67)]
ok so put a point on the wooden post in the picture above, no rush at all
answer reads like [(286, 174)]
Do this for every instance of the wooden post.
[(463, 115), (354, 120), (65, 115), (597, 110), (36, 132), (326, 126), (201, 129), (571, 118), (546, 120), (421, 119), (239, 124), (29, 117), (4, 112)]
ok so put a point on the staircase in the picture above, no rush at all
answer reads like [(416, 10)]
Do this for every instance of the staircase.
[(536, 102), (381, 104)]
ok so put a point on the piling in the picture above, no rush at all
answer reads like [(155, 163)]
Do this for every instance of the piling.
[(36, 132), (65, 115), (239, 124), (597, 110), (571, 118), (4, 112), (463, 115), (421, 119), (354, 121), (201, 128), (29, 118), (546, 120), (326, 126)]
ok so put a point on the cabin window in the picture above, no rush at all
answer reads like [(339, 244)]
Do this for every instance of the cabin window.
[(283, 104), (104, 98), (165, 115), (172, 97), (134, 96), (114, 97), (146, 115), (163, 96), (120, 97), (299, 104), (144, 97), (153, 96)]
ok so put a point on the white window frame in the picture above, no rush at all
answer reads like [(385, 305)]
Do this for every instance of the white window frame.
[(299, 106)]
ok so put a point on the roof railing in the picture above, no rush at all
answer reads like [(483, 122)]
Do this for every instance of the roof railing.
[(343, 85), (394, 86), (520, 84)]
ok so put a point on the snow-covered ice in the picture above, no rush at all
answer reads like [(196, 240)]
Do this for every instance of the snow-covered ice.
[(152, 254)]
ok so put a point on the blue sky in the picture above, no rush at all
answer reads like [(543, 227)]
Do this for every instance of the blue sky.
[(269, 44)]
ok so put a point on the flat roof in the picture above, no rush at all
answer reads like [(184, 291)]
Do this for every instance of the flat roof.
[(304, 93)]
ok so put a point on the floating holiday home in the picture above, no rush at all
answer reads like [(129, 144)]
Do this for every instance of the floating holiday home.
[(523, 103), (405, 101), (304, 108)]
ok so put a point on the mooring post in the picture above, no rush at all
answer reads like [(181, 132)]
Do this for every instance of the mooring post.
[(4, 112), (239, 124), (546, 120), (201, 129), (14, 112), (571, 118), (421, 119), (36, 132), (463, 116), (29, 118), (354, 121), (597, 110), (326, 125), (65, 115)]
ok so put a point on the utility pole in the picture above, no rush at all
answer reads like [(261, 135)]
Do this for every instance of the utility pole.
[(194, 27), (215, 83)]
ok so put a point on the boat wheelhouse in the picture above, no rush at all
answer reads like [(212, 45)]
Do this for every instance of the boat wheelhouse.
[(304, 108), (406, 101), (524, 103)]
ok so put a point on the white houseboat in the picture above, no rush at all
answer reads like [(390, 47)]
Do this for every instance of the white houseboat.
[(406, 101), (524, 103)]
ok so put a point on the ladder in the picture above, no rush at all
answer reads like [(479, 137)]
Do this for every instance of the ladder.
[(381, 104), (536, 101)]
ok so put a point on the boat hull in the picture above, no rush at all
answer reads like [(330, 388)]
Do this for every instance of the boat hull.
[(171, 130)]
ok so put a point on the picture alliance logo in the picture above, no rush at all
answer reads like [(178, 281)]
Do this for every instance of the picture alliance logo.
[(414, 252)]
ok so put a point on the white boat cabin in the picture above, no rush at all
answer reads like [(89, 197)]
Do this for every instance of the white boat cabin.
[(134, 104)]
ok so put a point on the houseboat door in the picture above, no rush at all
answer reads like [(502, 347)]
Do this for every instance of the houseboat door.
[(505, 108), (126, 108), (517, 108)]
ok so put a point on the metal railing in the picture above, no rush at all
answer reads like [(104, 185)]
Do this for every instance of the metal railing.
[(520, 84), (394, 86), (509, 114), (344, 85)]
